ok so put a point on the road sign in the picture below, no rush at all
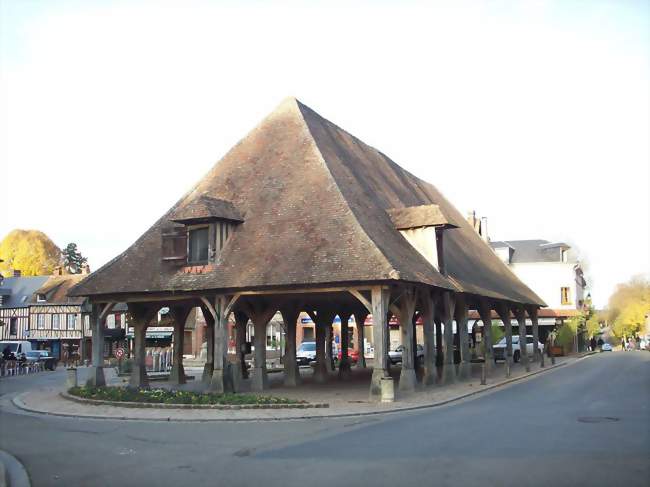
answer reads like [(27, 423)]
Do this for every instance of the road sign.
[(119, 353)]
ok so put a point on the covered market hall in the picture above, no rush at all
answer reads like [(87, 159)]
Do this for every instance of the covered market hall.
[(302, 217)]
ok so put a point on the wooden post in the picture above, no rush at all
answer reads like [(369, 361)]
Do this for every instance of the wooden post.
[(449, 369), (380, 299), (98, 315), (322, 319), (503, 311), (407, 300), (291, 371), (220, 381), (344, 364), (140, 316), (427, 306), (179, 315), (461, 310), (485, 312), (360, 320), (241, 320), (532, 313), (523, 348), (208, 368)]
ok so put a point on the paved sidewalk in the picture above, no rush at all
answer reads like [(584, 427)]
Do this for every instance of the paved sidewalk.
[(345, 398)]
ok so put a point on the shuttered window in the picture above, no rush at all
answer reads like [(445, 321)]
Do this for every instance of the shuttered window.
[(174, 244), (198, 246)]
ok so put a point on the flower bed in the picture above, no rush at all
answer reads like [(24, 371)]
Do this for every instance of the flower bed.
[(164, 396)]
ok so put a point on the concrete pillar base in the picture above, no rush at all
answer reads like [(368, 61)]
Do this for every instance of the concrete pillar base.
[(96, 377), (259, 380), (177, 374), (221, 381), (448, 374), (407, 380), (139, 377), (237, 377), (464, 371), (320, 373), (345, 370), (292, 376), (208, 368), (375, 382), (430, 376)]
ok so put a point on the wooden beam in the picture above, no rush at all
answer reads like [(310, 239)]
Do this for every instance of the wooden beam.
[(209, 306), (105, 310), (357, 294)]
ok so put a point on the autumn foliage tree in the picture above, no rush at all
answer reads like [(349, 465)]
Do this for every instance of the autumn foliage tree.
[(629, 306), (29, 251)]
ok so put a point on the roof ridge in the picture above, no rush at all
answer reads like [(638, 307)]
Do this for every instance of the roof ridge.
[(393, 273)]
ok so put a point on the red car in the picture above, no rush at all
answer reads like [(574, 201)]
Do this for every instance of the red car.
[(353, 355)]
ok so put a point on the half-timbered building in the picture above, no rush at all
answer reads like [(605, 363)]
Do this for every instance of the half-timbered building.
[(301, 216), (15, 299)]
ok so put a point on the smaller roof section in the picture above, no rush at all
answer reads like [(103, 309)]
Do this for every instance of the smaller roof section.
[(56, 288), (418, 217), (205, 209)]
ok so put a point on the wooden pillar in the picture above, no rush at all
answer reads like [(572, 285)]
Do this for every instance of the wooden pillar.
[(380, 298), (140, 317), (405, 312), (260, 313), (208, 368), (523, 349), (532, 313), (503, 311), (461, 310), (440, 352), (179, 315), (485, 312), (241, 321), (427, 307), (344, 365), (322, 321), (221, 380), (291, 371), (360, 320), (329, 356), (98, 315), (448, 368)]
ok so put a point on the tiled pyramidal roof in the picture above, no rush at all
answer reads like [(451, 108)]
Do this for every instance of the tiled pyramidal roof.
[(314, 202)]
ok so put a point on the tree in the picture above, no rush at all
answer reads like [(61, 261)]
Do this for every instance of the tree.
[(629, 306), (29, 251), (73, 261)]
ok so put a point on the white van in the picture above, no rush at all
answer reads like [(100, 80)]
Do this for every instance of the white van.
[(16, 347)]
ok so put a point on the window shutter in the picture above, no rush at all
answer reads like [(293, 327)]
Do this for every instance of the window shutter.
[(174, 244)]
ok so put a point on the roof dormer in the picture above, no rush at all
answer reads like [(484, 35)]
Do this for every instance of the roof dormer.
[(423, 226)]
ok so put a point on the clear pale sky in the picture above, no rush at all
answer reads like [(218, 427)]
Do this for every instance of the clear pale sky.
[(535, 114)]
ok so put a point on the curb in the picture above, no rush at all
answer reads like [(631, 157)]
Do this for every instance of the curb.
[(22, 406), (220, 407), (12, 471)]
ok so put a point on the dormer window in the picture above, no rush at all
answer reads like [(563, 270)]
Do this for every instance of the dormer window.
[(41, 298), (198, 246), (207, 223)]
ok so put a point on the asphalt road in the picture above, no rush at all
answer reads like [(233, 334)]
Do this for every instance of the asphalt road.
[(582, 424)]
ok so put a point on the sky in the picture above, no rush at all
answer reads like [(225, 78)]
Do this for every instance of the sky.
[(535, 114)]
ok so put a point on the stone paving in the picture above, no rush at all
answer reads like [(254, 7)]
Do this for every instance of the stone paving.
[(345, 398)]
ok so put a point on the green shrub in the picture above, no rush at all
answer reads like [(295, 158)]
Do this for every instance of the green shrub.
[(165, 396), (566, 334)]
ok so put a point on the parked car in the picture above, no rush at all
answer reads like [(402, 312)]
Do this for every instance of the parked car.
[(42, 356), (606, 347), (353, 355), (500, 348), (15, 349), (395, 356), (306, 353)]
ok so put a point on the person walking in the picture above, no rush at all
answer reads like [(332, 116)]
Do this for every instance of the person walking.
[(623, 344)]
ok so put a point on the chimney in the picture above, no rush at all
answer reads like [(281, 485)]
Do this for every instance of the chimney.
[(484, 230), (17, 273), (85, 269), (58, 271)]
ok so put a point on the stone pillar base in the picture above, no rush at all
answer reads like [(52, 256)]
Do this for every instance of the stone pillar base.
[(448, 374), (237, 377), (291, 376), (375, 382), (221, 381), (407, 380), (320, 373), (96, 377), (464, 371), (208, 368), (259, 380), (139, 377), (177, 374), (430, 376)]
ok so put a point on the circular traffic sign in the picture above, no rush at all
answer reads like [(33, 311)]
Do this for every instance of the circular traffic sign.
[(119, 353)]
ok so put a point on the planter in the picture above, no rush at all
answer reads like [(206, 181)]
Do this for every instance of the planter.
[(557, 351)]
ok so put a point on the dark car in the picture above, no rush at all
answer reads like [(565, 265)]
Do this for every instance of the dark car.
[(42, 356)]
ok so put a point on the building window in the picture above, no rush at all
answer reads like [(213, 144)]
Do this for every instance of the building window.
[(565, 255), (566, 295), (87, 322), (40, 322), (56, 322), (198, 246), (40, 298), (110, 321), (13, 326), (72, 322)]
